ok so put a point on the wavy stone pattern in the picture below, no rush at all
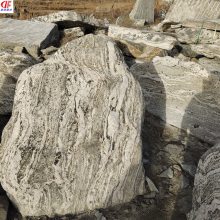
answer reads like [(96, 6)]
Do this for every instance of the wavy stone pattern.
[(73, 142), (182, 10), (206, 200)]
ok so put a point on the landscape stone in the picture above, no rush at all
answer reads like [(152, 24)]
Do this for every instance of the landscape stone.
[(142, 37), (143, 10), (182, 10), (206, 203), (71, 34), (73, 142), (31, 35)]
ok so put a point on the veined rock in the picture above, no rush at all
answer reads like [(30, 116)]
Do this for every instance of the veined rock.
[(206, 202), (73, 142), (182, 10), (143, 10)]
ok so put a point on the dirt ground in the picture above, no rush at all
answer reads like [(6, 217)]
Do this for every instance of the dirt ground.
[(110, 9)]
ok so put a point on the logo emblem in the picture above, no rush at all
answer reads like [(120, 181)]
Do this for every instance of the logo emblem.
[(6, 6)]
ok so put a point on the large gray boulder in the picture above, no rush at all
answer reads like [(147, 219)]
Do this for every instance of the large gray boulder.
[(31, 35), (73, 142), (191, 95), (206, 200), (182, 10), (11, 66)]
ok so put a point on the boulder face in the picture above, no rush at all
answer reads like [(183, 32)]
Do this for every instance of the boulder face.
[(206, 189), (73, 142), (182, 10)]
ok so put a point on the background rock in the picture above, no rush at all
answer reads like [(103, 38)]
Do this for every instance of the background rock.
[(73, 141), (182, 10), (31, 35)]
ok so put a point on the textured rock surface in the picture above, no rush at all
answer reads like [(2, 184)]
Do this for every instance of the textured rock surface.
[(192, 96), (208, 50), (182, 10), (73, 142), (71, 34), (206, 201), (213, 24), (142, 37), (11, 66), (197, 35), (69, 19), (31, 35), (143, 10)]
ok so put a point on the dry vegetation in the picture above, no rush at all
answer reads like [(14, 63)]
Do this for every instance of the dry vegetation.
[(110, 9)]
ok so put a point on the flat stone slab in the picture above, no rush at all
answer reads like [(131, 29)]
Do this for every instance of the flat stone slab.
[(190, 100), (136, 36), (207, 24), (182, 10), (31, 35)]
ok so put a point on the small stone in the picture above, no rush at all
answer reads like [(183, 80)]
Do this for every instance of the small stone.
[(189, 168), (151, 185), (167, 173)]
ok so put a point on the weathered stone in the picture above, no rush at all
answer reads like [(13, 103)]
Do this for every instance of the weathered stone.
[(70, 19), (142, 37), (143, 10), (46, 53), (80, 107), (208, 50), (197, 36), (182, 10), (11, 66), (4, 203), (31, 35), (213, 65), (151, 185), (192, 95), (167, 173), (204, 24), (71, 34), (206, 201)]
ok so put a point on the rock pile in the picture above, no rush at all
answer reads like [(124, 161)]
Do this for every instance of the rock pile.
[(73, 142)]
